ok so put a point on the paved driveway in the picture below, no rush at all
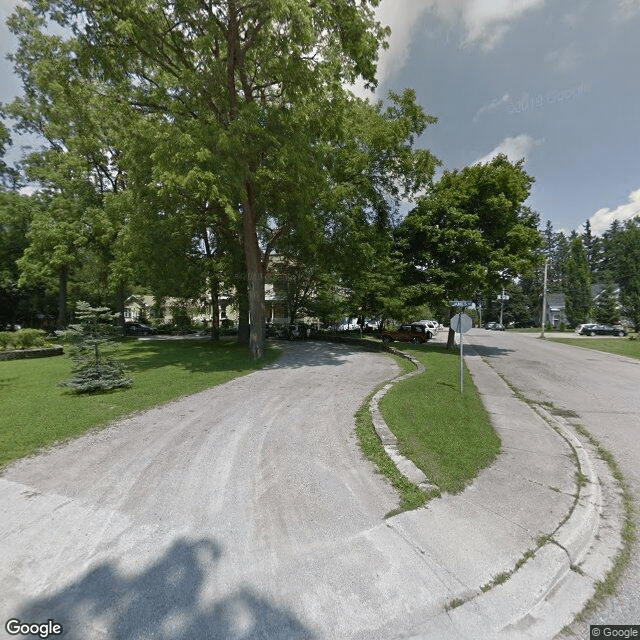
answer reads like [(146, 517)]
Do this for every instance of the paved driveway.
[(182, 521), (604, 390)]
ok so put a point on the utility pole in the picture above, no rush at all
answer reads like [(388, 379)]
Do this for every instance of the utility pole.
[(502, 297), (544, 297)]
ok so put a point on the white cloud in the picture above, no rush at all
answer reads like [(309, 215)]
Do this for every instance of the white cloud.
[(402, 23), (492, 106), (484, 21), (627, 9), (601, 220), (565, 60), (514, 148)]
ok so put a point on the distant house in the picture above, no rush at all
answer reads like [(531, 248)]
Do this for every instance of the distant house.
[(556, 313), (141, 307)]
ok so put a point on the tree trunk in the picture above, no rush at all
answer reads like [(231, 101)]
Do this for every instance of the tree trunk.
[(451, 337), (255, 275), (215, 309), (121, 296), (63, 279), (243, 315)]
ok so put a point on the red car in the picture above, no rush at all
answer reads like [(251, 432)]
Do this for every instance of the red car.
[(415, 333)]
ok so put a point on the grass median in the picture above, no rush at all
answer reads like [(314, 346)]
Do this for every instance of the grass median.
[(37, 413), (447, 434), (617, 346)]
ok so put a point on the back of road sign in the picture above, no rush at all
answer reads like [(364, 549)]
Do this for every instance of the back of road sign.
[(461, 323)]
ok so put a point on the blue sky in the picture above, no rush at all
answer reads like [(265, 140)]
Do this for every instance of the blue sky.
[(551, 81), (554, 82)]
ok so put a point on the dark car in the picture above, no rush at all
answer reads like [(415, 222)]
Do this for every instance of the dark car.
[(298, 331), (139, 329), (415, 333), (494, 326), (602, 330)]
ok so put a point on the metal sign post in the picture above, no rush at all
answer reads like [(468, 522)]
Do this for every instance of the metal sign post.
[(502, 298), (461, 323), (461, 364)]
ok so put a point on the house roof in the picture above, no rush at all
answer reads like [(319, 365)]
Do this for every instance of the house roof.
[(556, 300)]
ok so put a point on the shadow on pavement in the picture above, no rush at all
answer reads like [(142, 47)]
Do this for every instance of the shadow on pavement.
[(310, 353), (163, 602), (490, 352)]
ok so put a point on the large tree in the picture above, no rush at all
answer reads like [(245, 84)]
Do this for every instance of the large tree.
[(622, 243), (255, 81), (577, 284), (75, 170), (371, 172), (471, 232)]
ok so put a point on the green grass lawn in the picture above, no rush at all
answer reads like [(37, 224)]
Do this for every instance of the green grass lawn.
[(619, 346), (36, 412), (445, 433)]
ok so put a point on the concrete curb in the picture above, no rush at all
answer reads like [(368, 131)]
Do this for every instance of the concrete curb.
[(548, 591), (543, 594), (388, 439)]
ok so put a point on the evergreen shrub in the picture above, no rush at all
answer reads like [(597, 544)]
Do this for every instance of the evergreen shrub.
[(94, 367)]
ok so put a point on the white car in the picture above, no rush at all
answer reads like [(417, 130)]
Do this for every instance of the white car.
[(433, 325), (348, 325)]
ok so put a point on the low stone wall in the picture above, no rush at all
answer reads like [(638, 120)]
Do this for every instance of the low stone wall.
[(20, 354)]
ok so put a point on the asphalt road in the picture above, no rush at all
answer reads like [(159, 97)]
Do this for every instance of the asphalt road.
[(203, 518), (604, 390)]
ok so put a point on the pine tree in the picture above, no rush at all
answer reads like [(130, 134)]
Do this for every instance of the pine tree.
[(94, 370), (606, 310), (577, 284)]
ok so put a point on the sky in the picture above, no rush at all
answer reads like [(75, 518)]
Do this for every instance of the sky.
[(552, 81)]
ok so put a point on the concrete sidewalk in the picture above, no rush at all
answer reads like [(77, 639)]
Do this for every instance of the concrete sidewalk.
[(524, 545)]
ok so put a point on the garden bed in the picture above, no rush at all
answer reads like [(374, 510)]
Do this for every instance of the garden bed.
[(39, 352)]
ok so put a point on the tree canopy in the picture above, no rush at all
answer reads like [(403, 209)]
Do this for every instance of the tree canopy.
[(471, 231)]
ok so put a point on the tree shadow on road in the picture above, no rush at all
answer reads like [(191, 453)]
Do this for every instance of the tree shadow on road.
[(196, 356), (163, 602), (311, 353), (490, 351)]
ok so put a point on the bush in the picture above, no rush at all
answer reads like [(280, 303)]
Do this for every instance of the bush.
[(28, 338), (181, 318), (22, 339), (7, 340)]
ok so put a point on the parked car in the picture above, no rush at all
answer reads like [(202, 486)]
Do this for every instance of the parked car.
[(494, 326), (433, 325), (415, 333), (298, 331), (289, 331), (602, 330), (139, 329), (348, 325)]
